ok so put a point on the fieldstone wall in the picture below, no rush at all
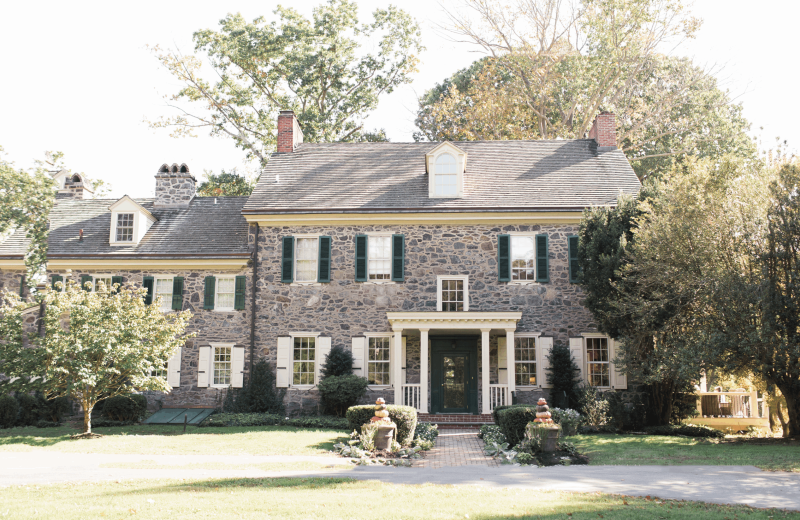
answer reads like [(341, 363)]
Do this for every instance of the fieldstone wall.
[(10, 280), (174, 189), (345, 308), (211, 326)]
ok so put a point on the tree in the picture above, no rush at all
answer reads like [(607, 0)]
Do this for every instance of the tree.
[(553, 65), (26, 199), (91, 345), (54, 161), (225, 184), (563, 377), (320, 68)]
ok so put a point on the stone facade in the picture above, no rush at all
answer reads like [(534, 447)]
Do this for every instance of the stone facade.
[(10, 280), (175, 186)]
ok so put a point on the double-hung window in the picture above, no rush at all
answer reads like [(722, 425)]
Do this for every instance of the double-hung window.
[(525, 361), (306, 260), (379, 257), (453, 293), (101, 279), (221, 365), (124, 227), (597, 362), (523, 258), (304, 360), (378, 360), (162, 286), (225, 293)]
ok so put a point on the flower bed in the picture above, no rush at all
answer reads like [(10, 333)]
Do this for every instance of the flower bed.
[(528, 452)]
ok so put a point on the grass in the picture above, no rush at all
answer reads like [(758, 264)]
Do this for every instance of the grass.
[(266, 466), (169, 440), (330, 498), (640, 450)]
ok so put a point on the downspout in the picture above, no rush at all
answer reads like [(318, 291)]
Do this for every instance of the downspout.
[(253, 304)]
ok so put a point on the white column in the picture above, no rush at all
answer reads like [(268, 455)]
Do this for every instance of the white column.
[(423, 370), (397, 369), (485, 371), (512, 366)]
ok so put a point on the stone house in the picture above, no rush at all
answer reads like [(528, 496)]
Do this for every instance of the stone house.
[(448, 268)]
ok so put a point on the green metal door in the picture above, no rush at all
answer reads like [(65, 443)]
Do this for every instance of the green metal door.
[(454, 370)]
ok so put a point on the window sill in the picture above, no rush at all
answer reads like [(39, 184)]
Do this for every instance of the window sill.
[(379, 387), (523, 282), (223, 310), (218, 386), (379, 282), (131, 243), (302, 387), (301, 284), (528, 387)]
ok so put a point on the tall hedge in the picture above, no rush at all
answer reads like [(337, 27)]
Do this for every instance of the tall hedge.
[(9, 410), (405, 417), (513, 420)]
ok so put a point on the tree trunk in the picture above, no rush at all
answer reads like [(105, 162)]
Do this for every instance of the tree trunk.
[(793, 408), (87, 418), (661, 400)]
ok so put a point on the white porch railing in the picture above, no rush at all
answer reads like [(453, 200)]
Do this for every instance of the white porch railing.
[(740, 405), (498, 396), (412, 396)]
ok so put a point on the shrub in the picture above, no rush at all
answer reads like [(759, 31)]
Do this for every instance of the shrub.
[(513, 420), (567, 419), (686, 430), (258, 394), (625, 415), (53, 410), (423, 444), (562, 375), (338, 362), (593, 406), (125, 408), (525, 458), (367, 437), (47, 424), (497, 410), (28, 409), (339, 393), (405, 417), (426, 431), (492, 434), (266, 419), (327, 422), (9, 410)]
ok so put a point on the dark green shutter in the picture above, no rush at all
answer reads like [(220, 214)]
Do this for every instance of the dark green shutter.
[(241, 287), (116, 280), (361, 258), (504, 258), (85, 278), (542, 262), (177, 293), (574, 265), (147, 283), (287, 260), (324, 264), (208, 295), (58, 278), (398, 258), (22, 286)]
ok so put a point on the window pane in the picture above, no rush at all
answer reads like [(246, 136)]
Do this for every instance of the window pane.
[(597, 361), (452, 295), (163, 288), (378, 364), (525, 354), (222, 365), (303, 368), (522, 258), (125, 227), (306, 261), (446, 175), (225, 293), (380, 258), (102, 280)]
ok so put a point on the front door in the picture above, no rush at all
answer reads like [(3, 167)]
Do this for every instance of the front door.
[(454, 371)]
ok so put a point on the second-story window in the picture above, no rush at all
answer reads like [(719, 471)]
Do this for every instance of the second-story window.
[(163, 288), (226, 293), (306, 262), (523, 258), (453, 293), (380, 257), (125, 227)]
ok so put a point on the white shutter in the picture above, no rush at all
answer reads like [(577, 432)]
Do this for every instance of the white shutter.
[(619, 381), (576, 349), (283, 357), (321, 347), (502, 361), (546, 345), (404, 361), (237, 367), (203, 367), (174, 369), (360, 356)]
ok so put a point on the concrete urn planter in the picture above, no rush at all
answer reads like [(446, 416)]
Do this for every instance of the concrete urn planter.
[(384, 437), (551, 440)]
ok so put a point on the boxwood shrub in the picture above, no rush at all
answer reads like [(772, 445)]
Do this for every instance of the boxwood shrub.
[(125, 408), (9, 410), (267, 419), (686, 430), (513, 420), (405, 417), (499, 409)]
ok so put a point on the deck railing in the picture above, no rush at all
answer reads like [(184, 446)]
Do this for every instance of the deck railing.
[(412, 396), (743, 405), (498, 396)]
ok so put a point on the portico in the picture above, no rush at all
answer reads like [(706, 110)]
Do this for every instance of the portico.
[(455, 370)]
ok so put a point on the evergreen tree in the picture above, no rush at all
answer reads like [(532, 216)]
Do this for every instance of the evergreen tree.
[(563, 376), (338, 362)]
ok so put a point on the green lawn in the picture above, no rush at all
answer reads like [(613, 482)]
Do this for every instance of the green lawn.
[(339, 498), (640, 450), (169, 440)]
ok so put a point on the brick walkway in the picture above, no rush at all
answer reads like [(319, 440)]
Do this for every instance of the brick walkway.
[(456, 447)]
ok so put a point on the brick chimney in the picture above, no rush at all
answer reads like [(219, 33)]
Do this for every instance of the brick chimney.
[(175, 186), (604, 131), (290, 135), (75, 187)]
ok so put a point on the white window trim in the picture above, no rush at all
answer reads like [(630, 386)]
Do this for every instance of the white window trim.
[(611, 367), (511, 258), (389, 280), (461, 163), (293, 335), (134, 228), (440, 278), (536, 335), (368, 335), (216, 288), (294, 261), (156, 278), (214, 347), (95, 276)]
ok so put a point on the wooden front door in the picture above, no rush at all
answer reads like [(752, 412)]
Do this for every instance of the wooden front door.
[(454, 375)]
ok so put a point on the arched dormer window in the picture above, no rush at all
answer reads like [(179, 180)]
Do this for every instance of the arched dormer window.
[(445, 165), (445, 176)]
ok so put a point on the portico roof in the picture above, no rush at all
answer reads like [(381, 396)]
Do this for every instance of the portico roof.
[(453, 320)]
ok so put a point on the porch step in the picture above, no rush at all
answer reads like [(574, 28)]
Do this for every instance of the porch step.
[(456, 419)]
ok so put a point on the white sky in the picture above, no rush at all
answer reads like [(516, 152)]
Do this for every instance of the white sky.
[(76, 77)]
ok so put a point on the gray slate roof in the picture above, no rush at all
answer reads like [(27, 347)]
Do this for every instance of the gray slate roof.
[(500, 175), (202, 230)]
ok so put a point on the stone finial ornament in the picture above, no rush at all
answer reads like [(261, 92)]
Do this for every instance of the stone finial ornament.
[(543, 415), (381, 413)]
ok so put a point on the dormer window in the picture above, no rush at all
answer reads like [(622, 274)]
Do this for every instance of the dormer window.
[(445, 165), (124, 227)]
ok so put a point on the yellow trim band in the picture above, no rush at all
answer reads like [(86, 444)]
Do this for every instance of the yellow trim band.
[(489, 218), (228, 264)]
